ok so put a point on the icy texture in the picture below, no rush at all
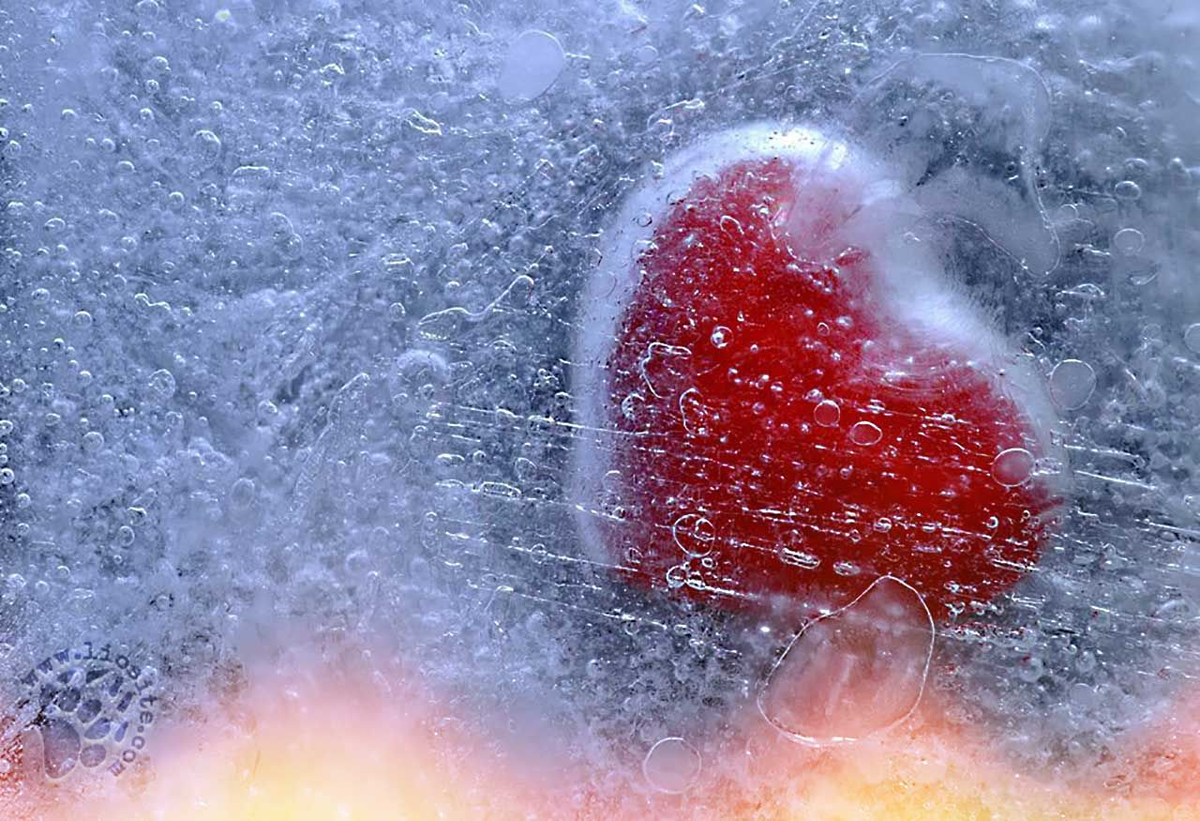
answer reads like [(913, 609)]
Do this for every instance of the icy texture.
[(287, 305)]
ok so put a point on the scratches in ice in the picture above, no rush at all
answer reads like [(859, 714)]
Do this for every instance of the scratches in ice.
[(342, 425), (449, 322)]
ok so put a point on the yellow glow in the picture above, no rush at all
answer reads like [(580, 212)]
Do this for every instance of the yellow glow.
[(334, 750)]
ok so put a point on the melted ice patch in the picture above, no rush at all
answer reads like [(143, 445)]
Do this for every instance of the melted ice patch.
[(855, 672)]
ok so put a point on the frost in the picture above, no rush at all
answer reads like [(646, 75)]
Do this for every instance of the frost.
[(300, 304)]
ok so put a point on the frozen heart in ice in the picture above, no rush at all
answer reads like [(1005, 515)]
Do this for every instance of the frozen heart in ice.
[(790, 400)]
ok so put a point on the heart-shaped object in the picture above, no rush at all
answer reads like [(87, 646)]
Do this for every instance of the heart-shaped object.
[(784, 398)]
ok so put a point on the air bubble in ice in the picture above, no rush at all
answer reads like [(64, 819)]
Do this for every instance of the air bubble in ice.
[(162, 383), (534, 61), (1013, 467), (694, 534), (266, 411), (1030, 669), (1191, 339), (241, 495), (865, 434), (798, 558), (720, 336), (827, 413), (855, 672), (1128, 241), (662, 368), (1127, 190), (695, 414), (672, 765), (443, 324), (206, 146), (1072, 383), (426, 125), (676, 576), (358, 562), (7, 477)]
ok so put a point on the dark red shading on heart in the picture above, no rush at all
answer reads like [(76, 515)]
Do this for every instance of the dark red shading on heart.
[(782, 432)]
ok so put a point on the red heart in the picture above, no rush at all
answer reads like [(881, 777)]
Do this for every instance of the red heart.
[(795, 401)]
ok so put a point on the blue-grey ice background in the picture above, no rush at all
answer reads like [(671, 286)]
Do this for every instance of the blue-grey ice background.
[(288, 292)]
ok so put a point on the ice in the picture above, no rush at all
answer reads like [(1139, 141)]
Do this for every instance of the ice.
[(304, 310), (1072, 383), (534, 61), (671, 765), (854, 672), (1007, 106)]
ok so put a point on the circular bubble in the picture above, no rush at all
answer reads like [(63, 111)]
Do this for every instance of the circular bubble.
[(206, 146), (1072, 383), (694, 534), (1191, 337), (1013, 467), (865, 434), (1127, 190), (1128, 241), (827, 413), (672, 765), (534, 61), (162, 383)]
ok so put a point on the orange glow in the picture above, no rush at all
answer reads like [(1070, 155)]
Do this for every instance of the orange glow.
[(334, 747)]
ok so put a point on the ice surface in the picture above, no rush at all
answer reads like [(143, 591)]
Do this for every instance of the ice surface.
[(290, 308)]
